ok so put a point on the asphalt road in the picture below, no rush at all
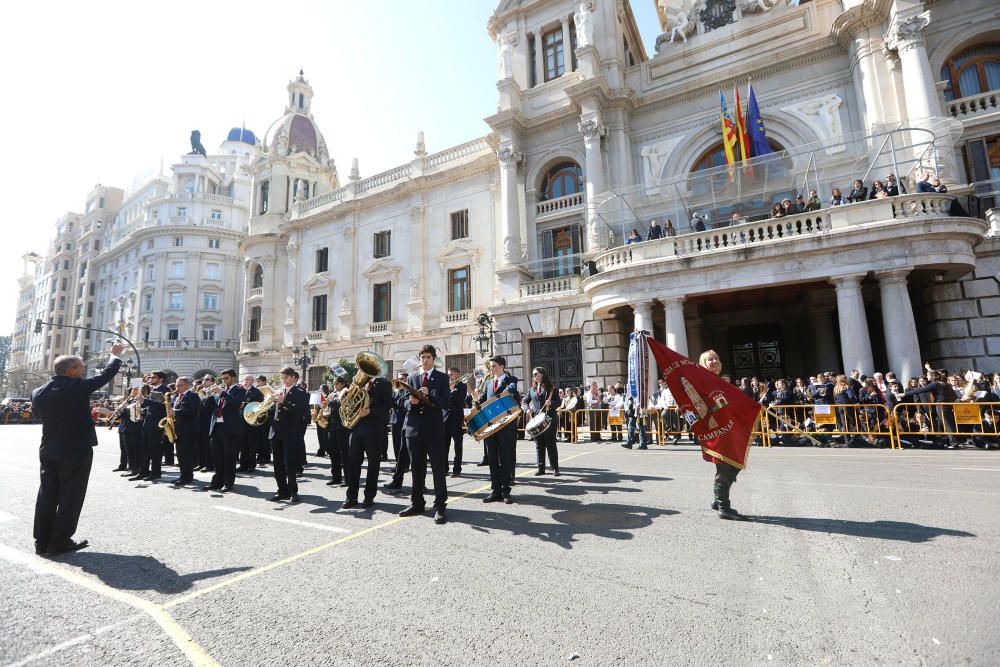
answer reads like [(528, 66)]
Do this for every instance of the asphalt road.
[(853, 557)]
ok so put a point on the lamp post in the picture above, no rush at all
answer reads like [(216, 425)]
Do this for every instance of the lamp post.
[(484, 339), (304, 354)]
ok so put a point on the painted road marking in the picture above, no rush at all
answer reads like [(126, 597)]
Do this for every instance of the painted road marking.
[(993, 469), (71, 642), (260, 515)]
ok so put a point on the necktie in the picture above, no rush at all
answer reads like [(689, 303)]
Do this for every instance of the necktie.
[(424, 382), (221, 402), (496, 383)]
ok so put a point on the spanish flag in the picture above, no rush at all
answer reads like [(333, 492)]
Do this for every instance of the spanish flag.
[(729, 138), (741, 133)]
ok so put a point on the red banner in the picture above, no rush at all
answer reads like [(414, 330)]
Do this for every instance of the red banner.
[(721, 416)]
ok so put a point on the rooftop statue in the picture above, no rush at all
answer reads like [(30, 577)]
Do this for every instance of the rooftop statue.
[(196, 147)]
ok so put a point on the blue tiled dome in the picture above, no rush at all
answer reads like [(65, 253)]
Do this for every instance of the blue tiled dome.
[(242, 134)]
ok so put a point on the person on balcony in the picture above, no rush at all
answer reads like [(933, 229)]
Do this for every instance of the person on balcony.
[(814, 204), (892, 187), (928, 184), (859, 193), (836, 198), (878, 190), (655, 231), (789, 207), (697, 224), (669, 229), (777, 211), (633, 237)]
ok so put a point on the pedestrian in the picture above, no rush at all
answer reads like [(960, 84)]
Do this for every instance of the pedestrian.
[(541, 397)]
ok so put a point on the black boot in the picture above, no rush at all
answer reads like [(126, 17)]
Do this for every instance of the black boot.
[(722, 498), (715, 501)]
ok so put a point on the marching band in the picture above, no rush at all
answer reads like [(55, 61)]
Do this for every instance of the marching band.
[(223, 427)]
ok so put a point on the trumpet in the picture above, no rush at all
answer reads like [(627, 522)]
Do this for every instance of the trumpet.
[(465, 378)]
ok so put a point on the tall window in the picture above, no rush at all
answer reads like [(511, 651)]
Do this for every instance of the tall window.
[(150, 272), (560, 248), (973, 71), (177, 269), (216, 214), (382, 244), (382, 302), (213, 271), (176, 299), (147, 303), (258, 277), (178, 241), (173, 332), (322, 260), (210, 301), (552, 52), (265, 190), (458, 289), (214, 243), (460, 224), (565, 178), (182, 211), (253, 333), (319, 313), (208, 332)]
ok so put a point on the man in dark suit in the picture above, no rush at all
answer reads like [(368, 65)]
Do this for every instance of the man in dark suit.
[(66, 452), (500, 445), (186, 408), (259, 432), (339, 437), (366, 441), (130, 432), (291, 406), (151, 441), (455, 423), (424, 433), (227, 429), (205, 426), (249, 445), (400, 399)]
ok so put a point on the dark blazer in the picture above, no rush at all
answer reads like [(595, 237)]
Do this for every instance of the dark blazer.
[(508, 384), (287, 425), (232, 411), (63, 404), (400, 399), (155, 410), (427, 421), (186, 414), (379, 402), (456, 408), (255, 395), (206, 415)]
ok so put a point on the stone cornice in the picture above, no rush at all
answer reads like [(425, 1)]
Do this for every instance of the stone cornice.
[(861, 17), (509, 119)]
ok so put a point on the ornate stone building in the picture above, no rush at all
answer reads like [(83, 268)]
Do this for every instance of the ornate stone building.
[(594, 137)]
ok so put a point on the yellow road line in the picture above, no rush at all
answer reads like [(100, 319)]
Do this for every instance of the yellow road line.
[(243, 576)]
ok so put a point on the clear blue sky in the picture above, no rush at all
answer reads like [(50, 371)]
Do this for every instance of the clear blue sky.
[(100, 92)]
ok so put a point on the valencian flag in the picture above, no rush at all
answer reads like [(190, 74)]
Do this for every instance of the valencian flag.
[(741, 134), (759, 144), (721, 416), (729, 139)]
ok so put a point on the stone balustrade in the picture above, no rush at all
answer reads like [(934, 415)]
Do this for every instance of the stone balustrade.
[(378, 328), (250, 346), (456, 317), (974, 105), (468, 149), (256, 291), (332, 197), (385, 178), (559, 205), (549, 286)]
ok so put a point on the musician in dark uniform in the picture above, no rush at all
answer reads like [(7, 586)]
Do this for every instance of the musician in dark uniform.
[(227, 430), (400, 399), (339, 436), (261, 430), (424, 433), (248, 445), (205, 425), (322, 434), (541, 397), (120, 415), (129, 433), (500, 445), (66, 453), (150, 444), (366, 441), (186, 407), (455, 423), (291, 406)]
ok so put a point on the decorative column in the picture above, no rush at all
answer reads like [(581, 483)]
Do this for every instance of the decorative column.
[(907, 38), (901, 343), (824, 342), (870, 95), (567, 46), (592, 130), (510, 219), (643, 312), (539, 65), (855, 343), (674, 324)]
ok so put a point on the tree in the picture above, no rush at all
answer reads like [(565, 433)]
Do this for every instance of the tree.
[(349, 367), (4, 361)]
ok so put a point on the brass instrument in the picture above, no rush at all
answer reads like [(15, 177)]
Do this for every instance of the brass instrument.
[(323, 418), (167, 423), (464, 378), (414, 393), (117, 413), (135, 411), (255, 413), (370, 365)]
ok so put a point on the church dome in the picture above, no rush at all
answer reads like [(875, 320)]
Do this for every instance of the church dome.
[(296, 131), (242, 134)]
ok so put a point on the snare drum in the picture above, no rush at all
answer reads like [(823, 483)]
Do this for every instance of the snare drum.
[(537, 425), (492, 416)]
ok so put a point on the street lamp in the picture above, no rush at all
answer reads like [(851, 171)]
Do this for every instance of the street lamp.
[(484, 339), (304, 349)]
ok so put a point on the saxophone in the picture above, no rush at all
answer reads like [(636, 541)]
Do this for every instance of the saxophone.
[(167, 423)]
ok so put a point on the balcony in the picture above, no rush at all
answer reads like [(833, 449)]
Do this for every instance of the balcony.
[(255, 292), (975, 106), (551, 208), (213, 222), (317, 336), (456, 318), (378, 328), (250, 346), (568, 284)]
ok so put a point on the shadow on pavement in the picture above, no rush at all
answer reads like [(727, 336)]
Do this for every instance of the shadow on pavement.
[(140, 573), (901, 531)]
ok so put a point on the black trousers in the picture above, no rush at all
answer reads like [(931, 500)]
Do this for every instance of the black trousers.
[(205, 450), (455, 438), (397, 440), (403, 461), (225, 449), (339, 450), (286, 464), (500, 454), (61, 493), (123, 450), (363, 447), (546, 442), (422, 449), (262, 446), (187, 455), (167, 448), (132, 437), (151, 450), (248, 451), (323, 438)]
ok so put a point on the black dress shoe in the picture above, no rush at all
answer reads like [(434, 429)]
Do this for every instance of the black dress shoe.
[(150, 478), (457, 473), (128, 474), (179, 482), (227, 488), (541, 471), (627, 446), (508, 500), (392, 486), (493, 498), (439, 517), (136, 477), (331, 483), (343, 484), (69, 546), (555, 471), (41, 548), (276, 497), (412, 510), (348, 504), (295, 499), (367, 502), (119, 469), (484, 462), (242, 469), (212, 487)]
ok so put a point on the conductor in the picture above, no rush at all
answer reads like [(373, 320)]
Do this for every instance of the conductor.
[(66, 452)]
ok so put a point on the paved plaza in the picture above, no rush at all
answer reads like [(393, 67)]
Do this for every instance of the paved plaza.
[(852, 557)]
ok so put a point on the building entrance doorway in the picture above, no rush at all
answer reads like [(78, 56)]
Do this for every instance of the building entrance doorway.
[(561, 356), (756, 350)]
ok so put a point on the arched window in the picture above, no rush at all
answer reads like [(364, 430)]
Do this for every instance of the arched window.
[(973, 71), (253, 329), (258, 277), (742, 191), (565, 178)]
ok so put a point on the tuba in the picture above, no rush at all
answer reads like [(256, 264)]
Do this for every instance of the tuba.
[(255, 413), (370, 365)]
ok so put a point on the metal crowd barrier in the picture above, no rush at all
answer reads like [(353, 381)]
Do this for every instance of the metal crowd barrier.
[(953, 422), (861, 424)]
